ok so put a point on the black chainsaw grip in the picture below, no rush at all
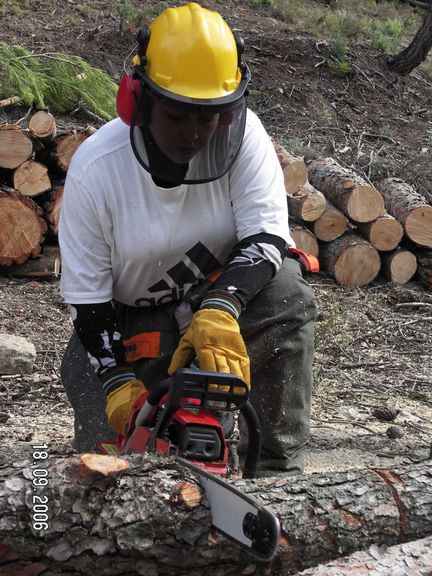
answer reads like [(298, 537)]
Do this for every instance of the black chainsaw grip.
[(254, 440)]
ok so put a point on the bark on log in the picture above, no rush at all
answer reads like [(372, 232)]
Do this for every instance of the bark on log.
[(330, 225), (21, 228), (31, 178), (42, 126), (127, 516), (307, 203), (304, 239), (15, 146), (346, 190), (399, 266), (385, 233), (409, 207), (294, 169), (408, 559), (351, 260)]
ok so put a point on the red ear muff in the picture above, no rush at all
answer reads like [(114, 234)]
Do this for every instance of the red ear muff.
[(127, 98)]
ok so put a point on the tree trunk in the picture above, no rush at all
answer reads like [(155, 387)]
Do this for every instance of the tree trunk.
[(346, 190), (307, 203), (351, 260), (304, 239), (136, 515), (410, 208), (385, 233), (330, 225), (22, 229), (43, 126), (408, 559), (416, 53), (31, 178), (15, 146), (399, 265), (294, 169)]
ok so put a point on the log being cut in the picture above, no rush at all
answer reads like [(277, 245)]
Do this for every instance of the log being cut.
[(410, 208), (144, 514), (349, 192)]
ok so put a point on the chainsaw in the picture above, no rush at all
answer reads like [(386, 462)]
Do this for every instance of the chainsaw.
[(179, 418)]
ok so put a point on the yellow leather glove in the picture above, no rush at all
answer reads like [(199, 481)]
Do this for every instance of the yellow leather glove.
[(119, 404), (214, 337)]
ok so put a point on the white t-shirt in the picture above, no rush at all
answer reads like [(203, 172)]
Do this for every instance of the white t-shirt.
[(124, 238)]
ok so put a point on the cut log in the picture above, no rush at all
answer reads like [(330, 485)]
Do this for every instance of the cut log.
[(399, 266), (351, 260), (43, 126), (385, 233), (15, 146), (346, 190), (52, 209), (136, 515), (43, 266), (304, 239), (293, 168), (31, 178), (66, 145), (21, 228), (409, 207), (330, 225), (307, 203), (407, 559)]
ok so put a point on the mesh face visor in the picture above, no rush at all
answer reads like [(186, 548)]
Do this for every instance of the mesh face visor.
[(209, 163)]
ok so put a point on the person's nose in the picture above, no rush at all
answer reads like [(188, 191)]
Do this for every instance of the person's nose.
[(190, 131)]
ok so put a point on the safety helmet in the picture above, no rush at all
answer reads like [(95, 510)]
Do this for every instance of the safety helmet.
[(189, 58)]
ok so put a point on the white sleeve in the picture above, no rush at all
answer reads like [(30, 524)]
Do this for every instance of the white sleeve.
[(86, 276), (257, 186)]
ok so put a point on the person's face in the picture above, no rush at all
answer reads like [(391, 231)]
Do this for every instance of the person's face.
[(179, 134)]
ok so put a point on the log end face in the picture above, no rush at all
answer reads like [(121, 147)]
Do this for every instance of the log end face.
[(365, 204), (358, 265), (418, 226)]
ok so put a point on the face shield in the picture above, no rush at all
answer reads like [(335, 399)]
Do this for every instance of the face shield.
[(183, 140)]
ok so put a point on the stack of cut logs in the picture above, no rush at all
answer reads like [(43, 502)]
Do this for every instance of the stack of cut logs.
[(355, 230), (33, 166)]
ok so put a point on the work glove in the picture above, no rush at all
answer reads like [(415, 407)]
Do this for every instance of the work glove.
[(120, 402), (214, 338)]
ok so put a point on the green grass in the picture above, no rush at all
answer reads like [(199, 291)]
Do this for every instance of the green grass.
[(388, 26)]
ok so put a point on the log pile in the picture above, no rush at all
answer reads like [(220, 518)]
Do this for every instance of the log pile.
[(33, 166), (355, 229)]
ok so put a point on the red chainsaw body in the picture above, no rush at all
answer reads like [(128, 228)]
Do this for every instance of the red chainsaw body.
[(188, 426)]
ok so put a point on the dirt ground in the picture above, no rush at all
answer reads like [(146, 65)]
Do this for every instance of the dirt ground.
[(373, 344)]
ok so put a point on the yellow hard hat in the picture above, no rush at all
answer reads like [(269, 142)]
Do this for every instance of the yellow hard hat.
[(189, 54)]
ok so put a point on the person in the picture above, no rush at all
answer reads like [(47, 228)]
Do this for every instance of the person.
[(186, 182)]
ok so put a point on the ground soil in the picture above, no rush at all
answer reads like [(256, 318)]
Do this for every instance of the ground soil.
[(373, 343)]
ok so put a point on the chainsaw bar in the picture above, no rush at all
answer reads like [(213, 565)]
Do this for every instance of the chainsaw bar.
[(237, 516)]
